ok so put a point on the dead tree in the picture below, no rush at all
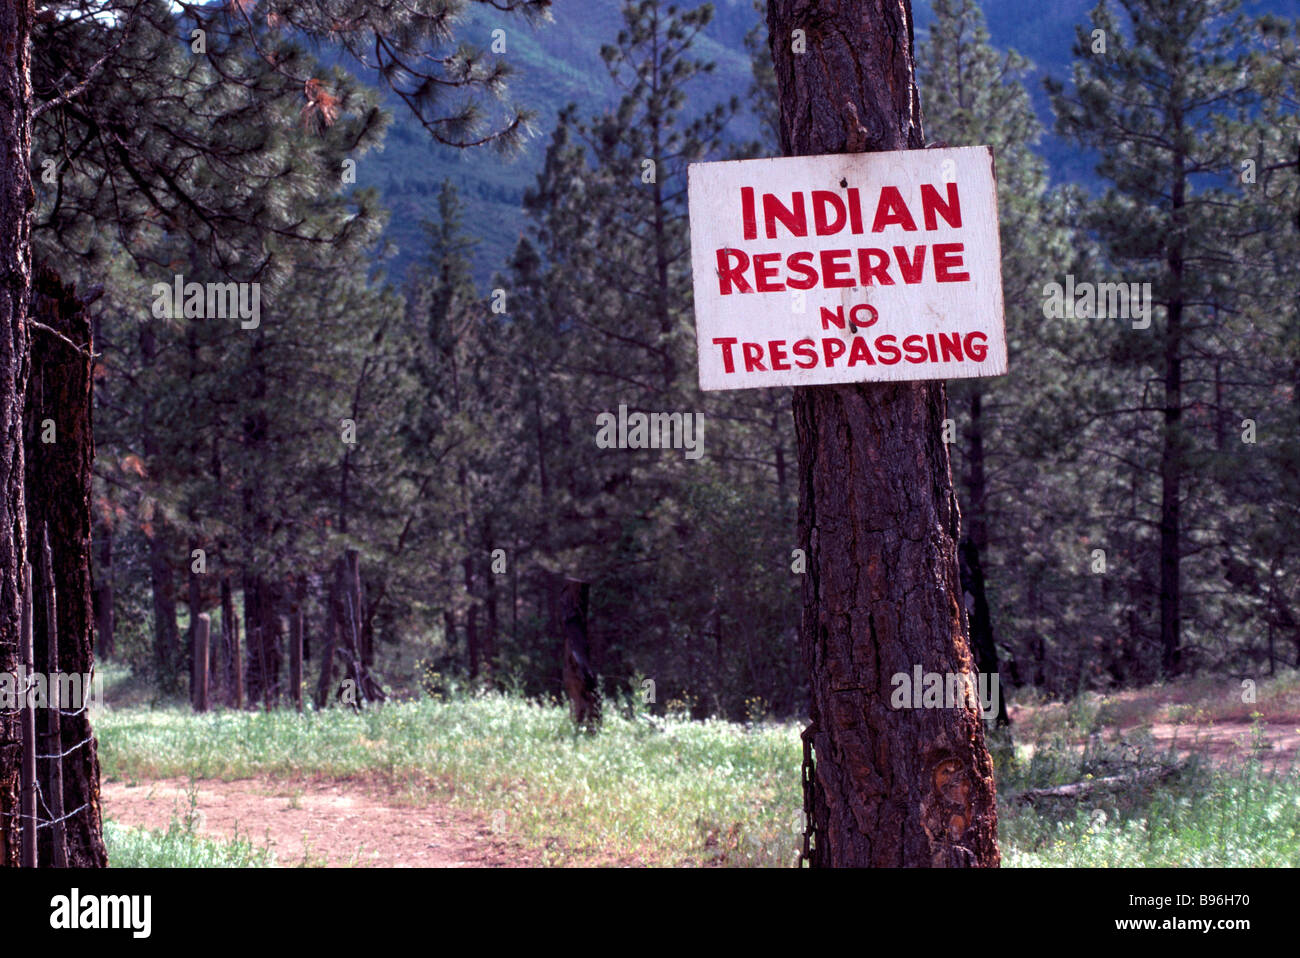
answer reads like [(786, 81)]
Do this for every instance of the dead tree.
[(346, 603)]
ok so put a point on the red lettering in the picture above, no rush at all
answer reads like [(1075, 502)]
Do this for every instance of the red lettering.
[(887, 346), (947, 256), (796, 220), (911, 271), (859, 353), (831, 270), (833, 317), (776, 350), (855, 315), (832, 349), (931, 204), (753, 358), (765, 271), (855, 210), (873, 264), (806, 349), (801, 263), (892, 211), (726, 342), (729, 274), (748, 217), (823, 199)]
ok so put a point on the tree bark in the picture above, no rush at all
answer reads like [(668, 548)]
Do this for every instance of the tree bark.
[(877, 514), (16, 200), (58, 481)]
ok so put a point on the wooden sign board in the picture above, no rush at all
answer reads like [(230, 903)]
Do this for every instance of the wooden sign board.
[(847, 268)]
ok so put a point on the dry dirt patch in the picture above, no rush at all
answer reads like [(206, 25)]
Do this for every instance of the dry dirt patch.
[(318, 823)]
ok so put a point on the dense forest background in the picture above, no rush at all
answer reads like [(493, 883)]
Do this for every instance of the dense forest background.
[(439, 329)]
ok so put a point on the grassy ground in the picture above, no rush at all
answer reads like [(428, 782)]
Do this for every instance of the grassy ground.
[(664, 791), (180, 846)]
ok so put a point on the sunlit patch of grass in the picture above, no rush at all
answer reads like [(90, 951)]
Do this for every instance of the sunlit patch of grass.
[(643, 790), (649, 790)]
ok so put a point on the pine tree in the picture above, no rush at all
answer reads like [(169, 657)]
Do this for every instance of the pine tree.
[(1151, 100)]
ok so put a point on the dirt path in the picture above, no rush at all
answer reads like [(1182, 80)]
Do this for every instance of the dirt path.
[(1232, 742), (318, 823)]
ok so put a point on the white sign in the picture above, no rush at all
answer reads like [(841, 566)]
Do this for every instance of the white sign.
[(847, 268)]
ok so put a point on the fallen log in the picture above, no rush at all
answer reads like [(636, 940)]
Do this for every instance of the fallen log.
[(1076, 790)]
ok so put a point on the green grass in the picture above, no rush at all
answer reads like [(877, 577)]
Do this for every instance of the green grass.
[(175, 848), (180, 846), (644, 790), (1198, 815), (668, 791)]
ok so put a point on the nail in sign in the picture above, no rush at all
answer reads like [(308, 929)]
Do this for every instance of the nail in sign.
[(849, 267)]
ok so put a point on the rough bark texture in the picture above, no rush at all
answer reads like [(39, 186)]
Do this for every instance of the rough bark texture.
[(877, 514), (15, 282), (58, 480)]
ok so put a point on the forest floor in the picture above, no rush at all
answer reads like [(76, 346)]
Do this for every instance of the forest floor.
[(497, 781)]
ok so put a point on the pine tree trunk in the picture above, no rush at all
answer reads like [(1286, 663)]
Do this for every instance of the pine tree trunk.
[(877, 514), (15, 283), (58, 478)]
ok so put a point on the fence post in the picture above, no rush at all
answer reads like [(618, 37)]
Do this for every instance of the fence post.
[(27, 775), (53, 715), (202, 631)]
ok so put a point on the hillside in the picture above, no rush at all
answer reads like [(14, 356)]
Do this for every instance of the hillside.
[(560, 62)]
